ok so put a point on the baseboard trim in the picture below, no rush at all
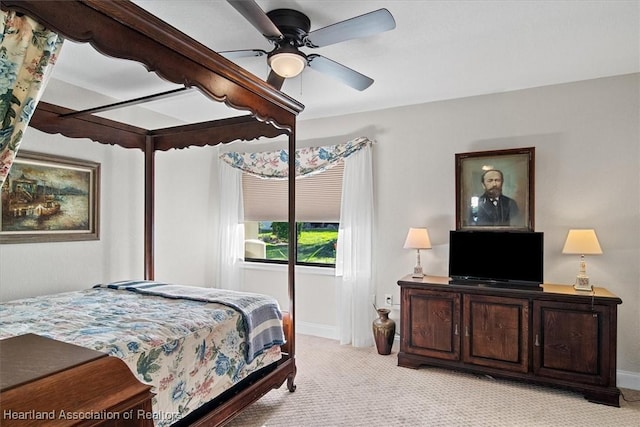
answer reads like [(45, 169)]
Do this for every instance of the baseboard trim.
[(626, 379), (317, 330)]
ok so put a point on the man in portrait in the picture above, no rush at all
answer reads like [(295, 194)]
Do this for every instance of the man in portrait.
[(493, 208)]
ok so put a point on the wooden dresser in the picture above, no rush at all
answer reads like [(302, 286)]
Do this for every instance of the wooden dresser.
[(552, 335), (48, 382)]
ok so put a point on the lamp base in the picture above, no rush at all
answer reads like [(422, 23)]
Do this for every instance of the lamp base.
[(582, 284), (417, 272)]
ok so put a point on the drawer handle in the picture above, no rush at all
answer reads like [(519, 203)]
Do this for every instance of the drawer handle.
[(537, 343), (466, 331), (456, 331)]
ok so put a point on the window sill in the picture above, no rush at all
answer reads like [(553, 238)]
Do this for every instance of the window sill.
[(319, 271)]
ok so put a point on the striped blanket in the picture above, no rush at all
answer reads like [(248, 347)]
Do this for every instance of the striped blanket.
[(261, 313)]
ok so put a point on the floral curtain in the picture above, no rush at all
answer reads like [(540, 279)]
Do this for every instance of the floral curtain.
[(28, 52), (309, 161)]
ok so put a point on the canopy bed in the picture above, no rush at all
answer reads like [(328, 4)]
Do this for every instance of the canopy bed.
[(123, 30)]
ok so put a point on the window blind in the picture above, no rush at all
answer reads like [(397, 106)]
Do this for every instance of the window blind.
[(318, 197)]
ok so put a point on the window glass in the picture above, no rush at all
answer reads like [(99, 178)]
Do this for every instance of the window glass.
[(268, 241)]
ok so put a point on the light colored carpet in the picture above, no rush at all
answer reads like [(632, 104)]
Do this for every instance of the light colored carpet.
[(347, 386)]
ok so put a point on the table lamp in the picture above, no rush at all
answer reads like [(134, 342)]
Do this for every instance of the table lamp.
[(417, 238), (582, 242)]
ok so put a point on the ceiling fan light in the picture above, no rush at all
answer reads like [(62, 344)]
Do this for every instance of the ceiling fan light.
[(287, 64)]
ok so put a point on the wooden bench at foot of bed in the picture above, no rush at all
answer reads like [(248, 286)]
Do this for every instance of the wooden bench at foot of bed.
[(49, 382), (43, 380)]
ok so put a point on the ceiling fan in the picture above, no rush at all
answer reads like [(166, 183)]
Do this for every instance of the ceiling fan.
[(288, 30)]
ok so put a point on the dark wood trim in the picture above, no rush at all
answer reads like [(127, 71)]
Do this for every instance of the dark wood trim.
[(243, 128), (47, 118), (293, 238), (50, 118), (121, 29), (149, 209)]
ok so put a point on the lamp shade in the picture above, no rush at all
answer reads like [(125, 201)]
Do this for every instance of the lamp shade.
[(287, 63), (582, 242), (417, 238)]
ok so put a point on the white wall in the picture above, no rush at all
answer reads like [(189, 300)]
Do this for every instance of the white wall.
[(587, 143), (586, 136), (315, 294), (45, 268), (186, 212)]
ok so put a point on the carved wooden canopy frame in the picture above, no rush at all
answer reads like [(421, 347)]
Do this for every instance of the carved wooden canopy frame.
[(123, 30)]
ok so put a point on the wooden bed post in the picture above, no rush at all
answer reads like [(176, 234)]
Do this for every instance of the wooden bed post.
[(149, 191), (293, 235), (121, 29)]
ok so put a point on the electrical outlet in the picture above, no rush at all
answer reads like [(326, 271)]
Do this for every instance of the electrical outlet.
[(388, 299)]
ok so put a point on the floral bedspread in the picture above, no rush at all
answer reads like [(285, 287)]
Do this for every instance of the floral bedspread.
[(262, 319), (189, 351)]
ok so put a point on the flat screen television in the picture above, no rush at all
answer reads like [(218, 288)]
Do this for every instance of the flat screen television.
[(496, 257)]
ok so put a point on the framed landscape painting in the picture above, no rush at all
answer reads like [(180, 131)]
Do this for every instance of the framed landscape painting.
[(495, 190), (50, 198)]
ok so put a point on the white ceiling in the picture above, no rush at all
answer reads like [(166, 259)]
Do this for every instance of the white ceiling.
[(438, 50)]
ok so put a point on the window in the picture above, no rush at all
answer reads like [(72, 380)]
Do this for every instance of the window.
[(318, 200), (316, 242)]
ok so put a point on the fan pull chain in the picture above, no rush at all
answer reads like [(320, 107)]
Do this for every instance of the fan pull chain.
[(301, 74)]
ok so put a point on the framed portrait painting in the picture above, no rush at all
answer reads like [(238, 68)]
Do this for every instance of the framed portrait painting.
[(48, 198), (495, 190)]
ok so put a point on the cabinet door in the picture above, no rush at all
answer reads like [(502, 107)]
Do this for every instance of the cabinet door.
[(570, 342), (496, 332), (430, 323)]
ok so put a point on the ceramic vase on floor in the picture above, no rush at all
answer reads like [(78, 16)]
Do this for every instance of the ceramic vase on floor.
[(384, 331)]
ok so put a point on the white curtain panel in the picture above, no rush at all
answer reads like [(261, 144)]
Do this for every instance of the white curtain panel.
[(230, 241), (354, 252)]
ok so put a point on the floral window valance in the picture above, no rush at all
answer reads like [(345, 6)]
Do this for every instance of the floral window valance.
[(309, 161)]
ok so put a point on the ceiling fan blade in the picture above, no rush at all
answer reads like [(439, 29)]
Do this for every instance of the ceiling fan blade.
[(345, 74), (243, 53), (360, 26), (257, 17), (275, 80)]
